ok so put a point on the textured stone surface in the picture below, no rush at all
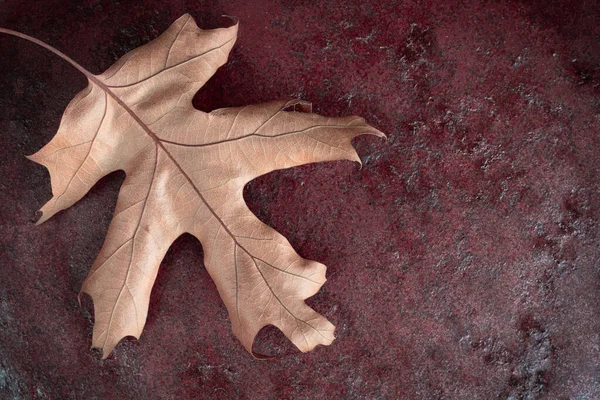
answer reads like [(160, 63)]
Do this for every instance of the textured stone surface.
[(463, 257)]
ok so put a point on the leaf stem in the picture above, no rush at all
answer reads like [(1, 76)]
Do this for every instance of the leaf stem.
[(48, 47)]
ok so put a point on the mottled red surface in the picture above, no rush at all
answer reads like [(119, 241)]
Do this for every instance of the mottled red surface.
[(463, 257)]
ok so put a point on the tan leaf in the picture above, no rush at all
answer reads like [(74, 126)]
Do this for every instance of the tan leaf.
[(186, 171)]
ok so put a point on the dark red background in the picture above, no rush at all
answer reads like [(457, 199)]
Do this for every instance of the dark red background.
[(463, 257)]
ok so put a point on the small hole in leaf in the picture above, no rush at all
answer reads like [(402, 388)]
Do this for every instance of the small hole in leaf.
[(299, 106)]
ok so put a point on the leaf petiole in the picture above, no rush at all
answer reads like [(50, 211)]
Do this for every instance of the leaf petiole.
[(48, 47)]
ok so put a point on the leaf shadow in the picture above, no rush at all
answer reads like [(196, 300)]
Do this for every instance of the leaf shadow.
[(271, 343)]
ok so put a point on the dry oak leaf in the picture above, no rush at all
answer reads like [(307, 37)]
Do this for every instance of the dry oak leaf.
[(186, 171)]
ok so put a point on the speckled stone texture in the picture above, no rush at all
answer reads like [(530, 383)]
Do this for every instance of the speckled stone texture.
[(463, 257)]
